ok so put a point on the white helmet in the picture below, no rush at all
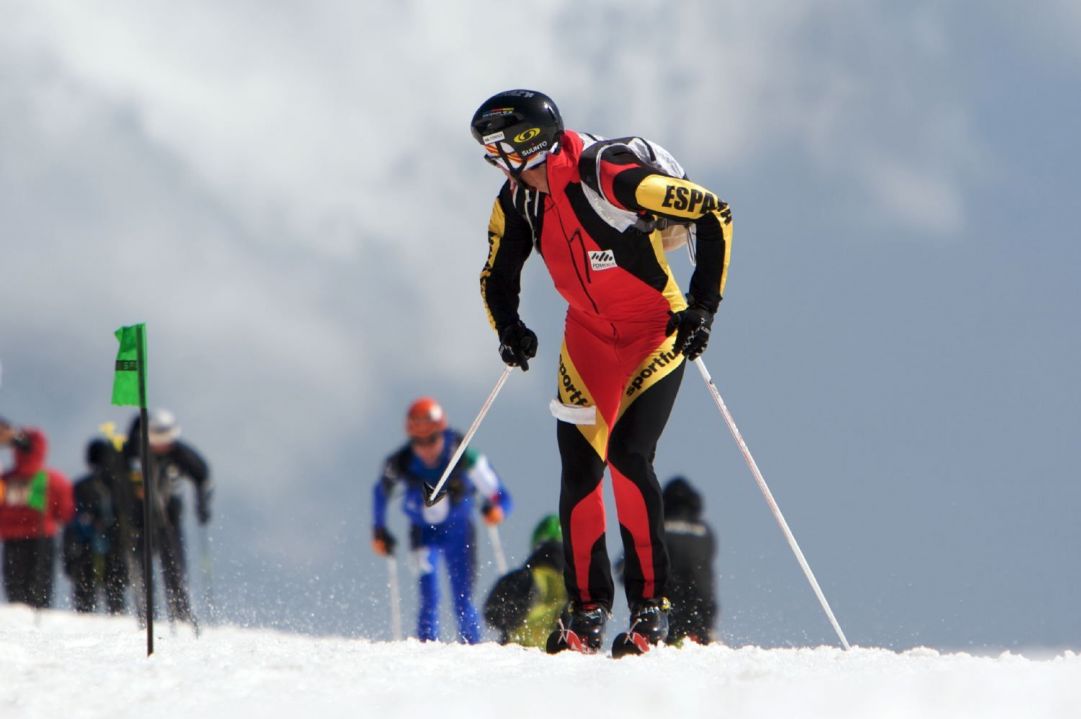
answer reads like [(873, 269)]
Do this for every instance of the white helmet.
[(163, 427)]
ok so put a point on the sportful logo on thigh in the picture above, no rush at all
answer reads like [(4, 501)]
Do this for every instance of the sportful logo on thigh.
[(569, 394), (652, 371), (573, 393)]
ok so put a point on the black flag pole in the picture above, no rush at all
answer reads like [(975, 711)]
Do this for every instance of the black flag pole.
[(148, 493)]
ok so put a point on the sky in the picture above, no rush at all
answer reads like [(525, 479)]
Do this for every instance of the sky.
[(269, 673), (289, 197)]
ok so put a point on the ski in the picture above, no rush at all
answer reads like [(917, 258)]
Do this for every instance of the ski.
[(630, 644)]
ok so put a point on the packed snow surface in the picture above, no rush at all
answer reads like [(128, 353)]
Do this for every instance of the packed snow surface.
[(57, 664)]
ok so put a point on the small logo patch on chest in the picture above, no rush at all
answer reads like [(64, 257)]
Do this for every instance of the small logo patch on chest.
[(602, 260)]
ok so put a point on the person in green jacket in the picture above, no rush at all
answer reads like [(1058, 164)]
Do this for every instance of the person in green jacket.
[(525, 605)]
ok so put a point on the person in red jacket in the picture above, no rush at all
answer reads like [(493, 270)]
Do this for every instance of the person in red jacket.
[(35, 504), (601, 214)]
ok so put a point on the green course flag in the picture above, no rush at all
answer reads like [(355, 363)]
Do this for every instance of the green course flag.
[(129, 383)]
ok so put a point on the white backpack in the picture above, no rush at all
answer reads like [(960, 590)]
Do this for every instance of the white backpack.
[(674, 234)]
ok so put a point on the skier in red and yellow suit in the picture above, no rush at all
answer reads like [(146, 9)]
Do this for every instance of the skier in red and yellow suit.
[(595, 210)]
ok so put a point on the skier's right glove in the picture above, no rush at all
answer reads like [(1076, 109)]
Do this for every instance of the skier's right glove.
[(692, 327), (517, 345), (383, 542)]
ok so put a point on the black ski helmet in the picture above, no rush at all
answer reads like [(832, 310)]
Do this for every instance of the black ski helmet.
[(518, 128)]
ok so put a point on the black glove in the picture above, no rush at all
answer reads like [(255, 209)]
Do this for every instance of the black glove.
[(517, 345), (202, 512), (383, 542), (693, 326)]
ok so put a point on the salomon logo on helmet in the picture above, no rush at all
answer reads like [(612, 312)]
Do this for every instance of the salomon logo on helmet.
[(527, 135)]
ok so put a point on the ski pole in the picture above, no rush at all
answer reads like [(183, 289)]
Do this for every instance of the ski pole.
[(207, 565), (497, 549), (430, 498), (395, 598), (769, 498)]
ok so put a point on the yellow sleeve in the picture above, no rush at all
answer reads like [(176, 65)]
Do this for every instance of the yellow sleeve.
[(673, 197)]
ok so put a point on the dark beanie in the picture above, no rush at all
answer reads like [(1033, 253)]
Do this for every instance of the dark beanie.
[(681, 499), (97, 452)]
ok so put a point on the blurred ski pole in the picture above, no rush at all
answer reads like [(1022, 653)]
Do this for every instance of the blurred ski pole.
[(497, 549), (207, 565), (769, 498), (431, 497), (395, 598)]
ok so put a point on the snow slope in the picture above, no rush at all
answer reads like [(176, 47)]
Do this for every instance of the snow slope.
[(57, 664)]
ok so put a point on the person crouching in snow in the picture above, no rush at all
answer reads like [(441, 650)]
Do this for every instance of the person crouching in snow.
[(526, 604), (446, 527)]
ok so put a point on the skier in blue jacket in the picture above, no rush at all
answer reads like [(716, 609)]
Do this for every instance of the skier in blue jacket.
[(446, 527)]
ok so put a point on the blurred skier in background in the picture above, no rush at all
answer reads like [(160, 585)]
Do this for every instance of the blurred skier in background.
[(691, 550), (525, 605), (601, 214), (95, 547), (446, 528), (35, 503), (171, 460)]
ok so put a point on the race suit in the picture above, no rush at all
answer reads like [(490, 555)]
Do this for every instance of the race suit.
[(598, 230)]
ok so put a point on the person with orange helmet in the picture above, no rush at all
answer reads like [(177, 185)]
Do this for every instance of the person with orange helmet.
[(445, 528)]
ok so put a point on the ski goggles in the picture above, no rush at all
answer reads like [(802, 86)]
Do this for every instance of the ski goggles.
[(426, 441), (505, 157)]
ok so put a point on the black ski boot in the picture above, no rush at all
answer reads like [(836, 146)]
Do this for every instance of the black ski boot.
[(649, 627), (583, 632)]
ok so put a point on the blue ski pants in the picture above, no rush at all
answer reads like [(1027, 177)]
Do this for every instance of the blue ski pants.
[(457, 546)]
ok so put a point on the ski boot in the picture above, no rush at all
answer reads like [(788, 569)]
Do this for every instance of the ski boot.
[(649, 627), (583, 632)]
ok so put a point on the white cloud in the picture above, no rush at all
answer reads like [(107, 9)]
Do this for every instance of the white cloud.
[(365, 107), (930, 203)]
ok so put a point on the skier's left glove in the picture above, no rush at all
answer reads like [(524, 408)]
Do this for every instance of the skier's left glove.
[(492, 513), (692, 327), (517, 345)]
